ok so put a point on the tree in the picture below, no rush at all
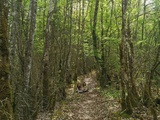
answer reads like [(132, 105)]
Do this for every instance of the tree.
[(15, 54), (28, 56), (46, 56), (5, 96), (129, 93)]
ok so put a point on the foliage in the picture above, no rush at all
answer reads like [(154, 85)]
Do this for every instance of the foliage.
[(112, 93), (68, 25)]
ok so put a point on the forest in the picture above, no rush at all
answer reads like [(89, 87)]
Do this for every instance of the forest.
[(79, 60)]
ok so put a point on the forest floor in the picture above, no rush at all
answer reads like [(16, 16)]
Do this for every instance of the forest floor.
[(91, 105)]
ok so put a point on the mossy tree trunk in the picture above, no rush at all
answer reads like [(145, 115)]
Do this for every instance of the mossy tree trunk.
[(5, 96), (15, 40), (129, 93)]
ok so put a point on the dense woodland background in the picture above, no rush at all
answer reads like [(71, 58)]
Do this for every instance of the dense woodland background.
[(46, 44)]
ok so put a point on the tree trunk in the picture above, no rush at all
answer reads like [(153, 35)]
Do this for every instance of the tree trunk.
[(28, 58), (94, 35), (46, 57), (104, 78), (5, 96), (129, 93), (29, 44)]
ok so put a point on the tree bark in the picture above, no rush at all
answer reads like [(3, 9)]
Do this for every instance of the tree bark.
[(29, 44), (5, 96), (28, 58), (46, 56), (129, 93)]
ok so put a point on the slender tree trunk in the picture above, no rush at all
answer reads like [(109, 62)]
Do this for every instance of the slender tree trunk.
[(68, 58), (137, 18), (94, 35), (46, 57), (5, 96), (46, 64), (82, 37), (144, 17), (15, 38), (29, 44), (78, 43), (95, 45), (103, 77), (129, 94), (28, 57)]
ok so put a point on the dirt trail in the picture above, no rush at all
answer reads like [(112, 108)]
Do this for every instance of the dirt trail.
[(91, 105), (85, 106)]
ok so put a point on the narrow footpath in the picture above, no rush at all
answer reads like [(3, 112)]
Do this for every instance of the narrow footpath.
[(90, 105)]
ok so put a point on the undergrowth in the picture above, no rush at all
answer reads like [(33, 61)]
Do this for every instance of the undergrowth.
[(111, 93)]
